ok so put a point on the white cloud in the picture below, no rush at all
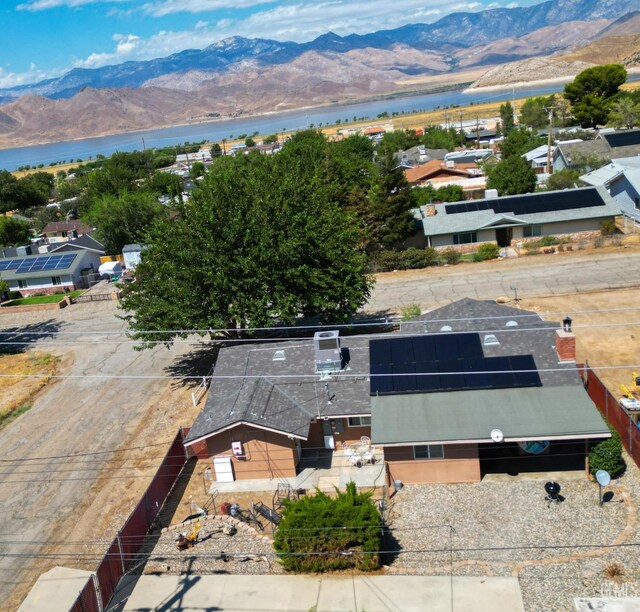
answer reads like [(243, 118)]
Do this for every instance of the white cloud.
[(161, 8), (42, 5), (33, 75)]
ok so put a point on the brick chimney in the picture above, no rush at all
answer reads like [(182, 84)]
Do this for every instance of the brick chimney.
[(565, 345), (430, 210)]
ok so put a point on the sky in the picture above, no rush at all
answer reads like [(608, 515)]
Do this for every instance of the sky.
[(46, 38)]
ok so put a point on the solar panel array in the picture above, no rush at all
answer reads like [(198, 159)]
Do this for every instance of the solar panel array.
[(38, 264), (452, 362), (623, 139), (532, 203)]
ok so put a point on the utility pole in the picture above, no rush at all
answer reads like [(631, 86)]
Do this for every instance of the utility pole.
[(462, 136), (549, 168), (477, 131)]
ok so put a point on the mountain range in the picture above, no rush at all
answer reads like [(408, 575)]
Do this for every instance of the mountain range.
[(239, 75)]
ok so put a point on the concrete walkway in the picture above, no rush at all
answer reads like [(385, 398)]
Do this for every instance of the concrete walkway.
[(319, 593)]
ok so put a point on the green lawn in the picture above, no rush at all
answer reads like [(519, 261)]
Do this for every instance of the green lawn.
[(41, 299)]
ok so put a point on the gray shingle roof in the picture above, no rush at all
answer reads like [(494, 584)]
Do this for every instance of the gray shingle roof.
[(283, 395), (443, 223), (287, 395)]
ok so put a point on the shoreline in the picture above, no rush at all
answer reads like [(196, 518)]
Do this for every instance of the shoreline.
[(215, 120), (537, 83)]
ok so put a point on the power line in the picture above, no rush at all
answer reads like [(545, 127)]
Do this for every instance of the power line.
[(313, 375), (332, 326)]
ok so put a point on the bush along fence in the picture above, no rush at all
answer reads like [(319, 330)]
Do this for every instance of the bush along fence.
[(611, 410), (122, 552)]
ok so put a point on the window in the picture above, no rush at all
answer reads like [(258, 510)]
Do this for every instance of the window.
[(22, 284), (359, 421), (56, 280), (465, 238), (431, 451), (528, 231)]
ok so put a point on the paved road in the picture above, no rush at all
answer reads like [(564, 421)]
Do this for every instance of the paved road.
[(534, 276), (74, 415)]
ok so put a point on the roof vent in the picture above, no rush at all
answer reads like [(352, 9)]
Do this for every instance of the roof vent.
[(490, 340), (326, 345), (279, 356), (511, 324)]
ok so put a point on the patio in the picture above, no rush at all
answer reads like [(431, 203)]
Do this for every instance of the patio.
[(323, 469)]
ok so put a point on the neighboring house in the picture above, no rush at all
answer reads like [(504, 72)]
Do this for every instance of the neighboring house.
[(49, 273), (516, 218), (470, 156), (418, 155), (621, 178), (436, 171), (131, 254), (606, 146), (63, 231), (86, 242), (538, 158), (426, 400)]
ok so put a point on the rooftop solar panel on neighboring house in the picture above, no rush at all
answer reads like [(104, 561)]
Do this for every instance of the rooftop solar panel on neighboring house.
[(47, 262), (623, 139)]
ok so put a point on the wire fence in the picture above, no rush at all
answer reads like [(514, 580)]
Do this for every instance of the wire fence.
[(122, 552)]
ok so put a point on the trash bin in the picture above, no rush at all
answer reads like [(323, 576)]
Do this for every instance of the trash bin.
[(397, 484), (225, 508)]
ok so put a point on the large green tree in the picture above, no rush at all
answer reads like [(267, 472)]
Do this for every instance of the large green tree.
[(260, 241), (534, 111), (506, 118), (124, 219), (624, 113), (511, 176), (592, 92), (388, 219), (519, 141), (13, 232)]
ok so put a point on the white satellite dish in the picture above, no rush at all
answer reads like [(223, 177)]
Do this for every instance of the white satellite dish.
[(603, 477), (497, 435)]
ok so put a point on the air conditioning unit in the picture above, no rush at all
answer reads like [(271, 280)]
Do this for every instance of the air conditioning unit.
[(328, 355)]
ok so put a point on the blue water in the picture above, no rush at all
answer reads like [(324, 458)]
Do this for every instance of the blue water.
[(10, 159)]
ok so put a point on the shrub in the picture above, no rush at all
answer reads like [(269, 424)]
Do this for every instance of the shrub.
[(598, 242), (487, 251), (607, 455), (342, 532), (548, 241), (410, 311), (15, 295), (410, 259), (608, 227), (451, 256)]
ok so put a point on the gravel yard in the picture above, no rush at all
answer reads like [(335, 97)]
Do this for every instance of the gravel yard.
[(505, 528)]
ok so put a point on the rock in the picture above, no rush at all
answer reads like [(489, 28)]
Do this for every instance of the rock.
[(229, 530)]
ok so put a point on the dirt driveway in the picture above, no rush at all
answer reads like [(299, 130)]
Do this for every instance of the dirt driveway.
[(64, 499)]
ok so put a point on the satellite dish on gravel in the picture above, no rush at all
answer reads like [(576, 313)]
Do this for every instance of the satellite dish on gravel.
[(497, 435), (603, 477)]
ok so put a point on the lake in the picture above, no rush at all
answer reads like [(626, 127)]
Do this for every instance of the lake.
[(11, 159)]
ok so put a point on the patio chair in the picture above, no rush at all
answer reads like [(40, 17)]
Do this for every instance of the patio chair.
[(366, 440), (369, 457), (355, 460)]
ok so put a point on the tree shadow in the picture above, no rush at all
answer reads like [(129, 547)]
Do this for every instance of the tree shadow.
[(15, 340), (198, 362)]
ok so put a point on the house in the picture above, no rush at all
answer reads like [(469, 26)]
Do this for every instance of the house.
[(538, 158), (621, 178), (470, 156), (519, 218), (51, 272), (63, 231), (428, 398), (606, 146), (415, 156), (86, 242), (436, 171)]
